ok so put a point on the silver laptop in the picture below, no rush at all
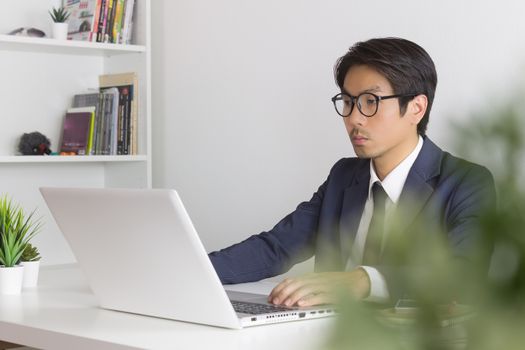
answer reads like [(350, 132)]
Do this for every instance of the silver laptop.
[(141, 254)]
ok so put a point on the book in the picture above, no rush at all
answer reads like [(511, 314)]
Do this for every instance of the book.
[(117, 22), (125, 37), (77, 132), (127, 129), (111, 114), (102, 21), (109, 23), (82, 22), (92, 100)]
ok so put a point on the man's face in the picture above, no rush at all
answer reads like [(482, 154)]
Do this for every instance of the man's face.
[(387, 136)]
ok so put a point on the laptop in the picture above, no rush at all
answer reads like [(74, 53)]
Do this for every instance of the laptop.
[(141, 254)]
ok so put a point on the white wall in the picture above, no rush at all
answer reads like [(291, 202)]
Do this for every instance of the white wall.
[(243, 124)]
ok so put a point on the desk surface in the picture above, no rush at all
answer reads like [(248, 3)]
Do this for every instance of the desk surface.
[(62, 313)]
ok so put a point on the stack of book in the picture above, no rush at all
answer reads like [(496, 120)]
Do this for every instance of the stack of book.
[(103, 122), (105, 21)]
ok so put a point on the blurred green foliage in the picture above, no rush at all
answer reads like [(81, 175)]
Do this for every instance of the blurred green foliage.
[(497, 301)]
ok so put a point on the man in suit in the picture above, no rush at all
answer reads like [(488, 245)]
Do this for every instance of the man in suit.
[(387, 88)]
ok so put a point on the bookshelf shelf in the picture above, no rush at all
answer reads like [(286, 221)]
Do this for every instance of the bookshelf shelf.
[(40, 78), (68, 47), (71, 159)]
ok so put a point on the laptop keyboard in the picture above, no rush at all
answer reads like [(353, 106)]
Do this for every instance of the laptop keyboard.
[(255, 308)]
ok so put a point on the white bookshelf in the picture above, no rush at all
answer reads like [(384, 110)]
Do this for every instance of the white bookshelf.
[(68, 47), (39, 78), (73, 159)]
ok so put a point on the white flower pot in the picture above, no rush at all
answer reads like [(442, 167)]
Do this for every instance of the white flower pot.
[(11, 279), (60, 31), (31, 269)]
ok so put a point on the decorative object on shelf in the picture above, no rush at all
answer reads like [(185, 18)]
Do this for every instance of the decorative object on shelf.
[(33, 144), (60, 27), (25, 31), (16, 230), (31, 263)]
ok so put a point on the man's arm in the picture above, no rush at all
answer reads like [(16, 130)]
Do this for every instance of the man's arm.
[(271, 253), (473, 195)]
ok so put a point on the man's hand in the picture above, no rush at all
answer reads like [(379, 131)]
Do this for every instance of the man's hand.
[(320, 288)]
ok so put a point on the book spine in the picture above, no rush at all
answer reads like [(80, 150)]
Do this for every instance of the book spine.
[(112, 124), (108, 116), (127, 121), (108, 37), (89, 148), (126, 30), (98, 125), (134, 116), (94, 28), (102, 20), (117, 24), (121, 130)]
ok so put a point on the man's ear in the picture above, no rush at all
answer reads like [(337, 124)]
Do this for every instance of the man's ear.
[(417, 108)]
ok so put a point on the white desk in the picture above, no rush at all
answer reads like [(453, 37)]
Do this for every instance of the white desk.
[(62, 313)]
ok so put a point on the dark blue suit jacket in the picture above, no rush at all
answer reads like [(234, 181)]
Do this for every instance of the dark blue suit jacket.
[(441, 191)]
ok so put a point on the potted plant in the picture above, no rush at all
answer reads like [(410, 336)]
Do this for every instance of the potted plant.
[(16, 230), (31, 263), (59, 17)]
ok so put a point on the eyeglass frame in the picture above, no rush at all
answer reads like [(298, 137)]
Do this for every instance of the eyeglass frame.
[(377, 98)]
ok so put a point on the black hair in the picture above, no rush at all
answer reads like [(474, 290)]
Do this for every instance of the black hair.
[(406, 65)]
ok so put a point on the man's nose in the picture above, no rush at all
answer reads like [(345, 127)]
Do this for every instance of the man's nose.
[(356, 118)]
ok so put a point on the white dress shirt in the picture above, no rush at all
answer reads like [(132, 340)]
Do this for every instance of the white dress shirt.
[(393, 185)]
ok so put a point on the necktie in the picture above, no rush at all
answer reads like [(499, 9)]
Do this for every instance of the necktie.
[(374, 237)]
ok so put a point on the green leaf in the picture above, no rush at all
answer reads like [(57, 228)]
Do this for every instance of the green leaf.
[(16, 230)]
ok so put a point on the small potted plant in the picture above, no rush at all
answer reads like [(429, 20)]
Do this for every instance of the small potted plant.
[(16, 230), (31, 263), (59, 17)]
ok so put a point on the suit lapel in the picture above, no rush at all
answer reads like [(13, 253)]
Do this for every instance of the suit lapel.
[(354, 200), (416, 192), (418, 186)]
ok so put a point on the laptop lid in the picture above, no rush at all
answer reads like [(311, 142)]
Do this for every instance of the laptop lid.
[(141, 254)]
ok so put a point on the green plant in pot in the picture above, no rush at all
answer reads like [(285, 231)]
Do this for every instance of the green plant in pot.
[(30, 254), (31, 263), (60, 26), (16, 230), (59, 15)]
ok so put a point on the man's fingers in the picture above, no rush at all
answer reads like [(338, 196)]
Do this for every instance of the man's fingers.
[(319, 288), (295, 290), (289, 291), (300, 292), (316, 299), (284, 290), (278, 290)]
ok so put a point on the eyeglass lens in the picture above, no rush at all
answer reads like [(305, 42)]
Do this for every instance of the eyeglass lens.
[(366, 103)]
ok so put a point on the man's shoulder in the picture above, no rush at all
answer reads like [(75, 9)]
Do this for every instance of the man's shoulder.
[(436, 162), (349, 165), (452, 164), (348, 170)]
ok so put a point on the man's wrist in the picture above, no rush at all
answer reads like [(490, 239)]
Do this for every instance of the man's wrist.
[(378, 289), (363, 283)]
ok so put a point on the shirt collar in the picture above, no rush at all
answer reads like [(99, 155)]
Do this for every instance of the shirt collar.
[(395, 180)]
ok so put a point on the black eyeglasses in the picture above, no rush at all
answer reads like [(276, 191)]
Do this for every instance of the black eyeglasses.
[(367, 103)]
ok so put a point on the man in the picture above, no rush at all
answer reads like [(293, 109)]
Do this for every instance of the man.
[(387, 89)]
